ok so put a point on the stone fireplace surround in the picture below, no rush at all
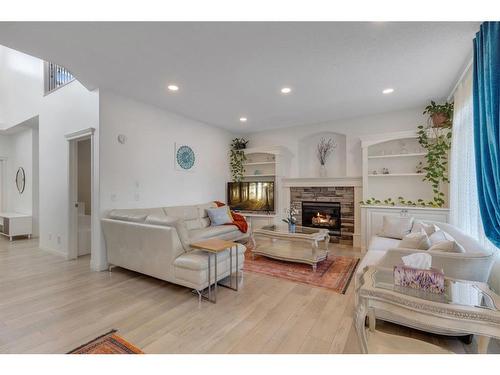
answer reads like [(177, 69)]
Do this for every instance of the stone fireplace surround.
[(342, 195), (347, 191)]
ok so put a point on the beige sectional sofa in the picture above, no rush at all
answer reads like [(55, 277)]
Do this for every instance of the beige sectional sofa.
[(156, 242)]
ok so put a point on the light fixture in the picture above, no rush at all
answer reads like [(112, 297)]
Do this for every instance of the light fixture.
[(388, 91), (243, 119), (286, 90), (173, 87)]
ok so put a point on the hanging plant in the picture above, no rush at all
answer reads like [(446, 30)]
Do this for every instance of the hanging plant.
[(437, 142), (237, 157), (441, 115)]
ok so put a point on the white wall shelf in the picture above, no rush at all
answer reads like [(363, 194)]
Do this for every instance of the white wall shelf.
[(258, 175), (415, 154), (396, 175), (261, 163)]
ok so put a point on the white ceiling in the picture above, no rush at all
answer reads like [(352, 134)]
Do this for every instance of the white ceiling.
[(228, 70)]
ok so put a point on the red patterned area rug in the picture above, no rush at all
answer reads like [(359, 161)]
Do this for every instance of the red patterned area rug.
[(334, 273), (109, 343)]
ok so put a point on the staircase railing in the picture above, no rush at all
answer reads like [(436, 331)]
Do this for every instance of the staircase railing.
[(55, 76)]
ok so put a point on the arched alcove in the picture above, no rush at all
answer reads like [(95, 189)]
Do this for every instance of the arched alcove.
[(307, 157)]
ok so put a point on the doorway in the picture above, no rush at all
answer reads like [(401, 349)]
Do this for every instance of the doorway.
[(81, 210), (84, 195)]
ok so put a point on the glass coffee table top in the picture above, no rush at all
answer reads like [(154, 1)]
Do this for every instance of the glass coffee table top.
[(284, 229), (457, 292)]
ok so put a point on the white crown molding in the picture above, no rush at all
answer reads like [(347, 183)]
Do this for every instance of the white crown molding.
[(80, 134)]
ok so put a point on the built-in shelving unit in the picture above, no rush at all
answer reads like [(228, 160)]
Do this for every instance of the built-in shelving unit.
[(392, 167), (267, 164), (400, 154)]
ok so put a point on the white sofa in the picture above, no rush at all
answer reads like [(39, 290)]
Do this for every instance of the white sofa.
[(156, 242), (474, 264)]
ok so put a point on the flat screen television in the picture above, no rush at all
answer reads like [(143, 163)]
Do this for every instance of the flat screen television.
[(251, 196)]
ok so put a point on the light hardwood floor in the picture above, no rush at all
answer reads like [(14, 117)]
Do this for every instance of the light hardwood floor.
[(50, 305)]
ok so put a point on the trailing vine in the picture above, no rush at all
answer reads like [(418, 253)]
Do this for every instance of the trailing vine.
[(237, 157), (436, 139), (437, 142)]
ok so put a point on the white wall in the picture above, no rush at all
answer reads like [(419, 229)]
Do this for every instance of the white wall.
[(352, 128), (69, 109), (21, 87), (20, 156), (4, 153), (140, 173), (18, 150)]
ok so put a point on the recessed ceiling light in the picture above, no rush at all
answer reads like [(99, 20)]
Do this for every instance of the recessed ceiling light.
[(286, 90), (243, 119), (173, 87), (388, 91)]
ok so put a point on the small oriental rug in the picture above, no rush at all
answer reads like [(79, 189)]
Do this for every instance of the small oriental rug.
[(109, 343), (334, 273)]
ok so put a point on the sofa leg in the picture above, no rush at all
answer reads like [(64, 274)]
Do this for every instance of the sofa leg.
[(110, 267)]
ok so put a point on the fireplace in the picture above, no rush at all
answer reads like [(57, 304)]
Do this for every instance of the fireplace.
[(324, 215)]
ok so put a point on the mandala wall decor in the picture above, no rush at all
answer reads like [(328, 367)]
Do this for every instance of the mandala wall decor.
[(185, 157)]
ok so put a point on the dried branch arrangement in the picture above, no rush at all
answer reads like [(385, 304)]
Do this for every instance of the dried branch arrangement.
[(324, 149)]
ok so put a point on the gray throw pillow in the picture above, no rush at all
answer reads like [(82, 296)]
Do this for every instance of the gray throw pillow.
[(219, 216)]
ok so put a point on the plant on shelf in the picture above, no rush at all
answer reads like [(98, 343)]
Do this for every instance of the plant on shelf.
[(291, 220), (400, 202), (237, 158), (441, 115)]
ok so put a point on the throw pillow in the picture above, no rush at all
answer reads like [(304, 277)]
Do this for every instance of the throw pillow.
[(442, 241), (396, 227), (219, 216), (418, 241), (427, 228)]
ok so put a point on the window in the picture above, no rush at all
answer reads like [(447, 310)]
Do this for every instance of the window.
[(464, 204), (55, 76)]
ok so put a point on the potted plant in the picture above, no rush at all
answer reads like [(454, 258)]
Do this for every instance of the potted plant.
[(291, 220), (441, 115), (237, 158)]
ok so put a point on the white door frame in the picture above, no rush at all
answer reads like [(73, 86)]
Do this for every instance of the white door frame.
[(3, 181), (73, 139)]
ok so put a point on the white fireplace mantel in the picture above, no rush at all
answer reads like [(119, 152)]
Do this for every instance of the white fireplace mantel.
[(322, 182)]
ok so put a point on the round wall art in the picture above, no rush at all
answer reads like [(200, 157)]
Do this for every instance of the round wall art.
[(185, 157)]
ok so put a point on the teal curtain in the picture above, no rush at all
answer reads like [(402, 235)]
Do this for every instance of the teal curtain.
[(486, 92)]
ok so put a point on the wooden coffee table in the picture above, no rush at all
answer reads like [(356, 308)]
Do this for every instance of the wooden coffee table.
[(213, 247), (304, 244)]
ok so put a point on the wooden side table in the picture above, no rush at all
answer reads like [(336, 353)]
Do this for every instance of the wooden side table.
[(213, 247)]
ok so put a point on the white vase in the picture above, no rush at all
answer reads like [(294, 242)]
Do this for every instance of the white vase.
[(322, 170)]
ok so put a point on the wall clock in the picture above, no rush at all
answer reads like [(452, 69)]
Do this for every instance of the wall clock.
[(185, 157)]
